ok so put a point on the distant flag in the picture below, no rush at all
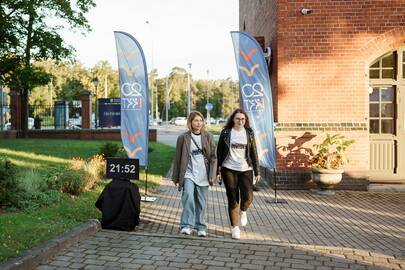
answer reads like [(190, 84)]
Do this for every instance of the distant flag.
[(134, 97), (255, 94)]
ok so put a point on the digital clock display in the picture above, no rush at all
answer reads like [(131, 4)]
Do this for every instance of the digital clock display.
[(122, 168)]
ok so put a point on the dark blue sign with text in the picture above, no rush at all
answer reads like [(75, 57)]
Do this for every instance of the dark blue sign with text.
[(109, 112)]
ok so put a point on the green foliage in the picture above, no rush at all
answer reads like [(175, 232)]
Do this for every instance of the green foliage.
[(26, 189), (33, 191), (109, 149), (71, 182), (20, 230), (331, 152), (71, 90), (80, 175), (8, 182), (30, 32)]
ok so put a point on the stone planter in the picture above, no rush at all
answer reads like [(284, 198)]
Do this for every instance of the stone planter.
[(326, 179)]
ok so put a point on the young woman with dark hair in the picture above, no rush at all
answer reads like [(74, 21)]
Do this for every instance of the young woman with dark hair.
[(238, 167)]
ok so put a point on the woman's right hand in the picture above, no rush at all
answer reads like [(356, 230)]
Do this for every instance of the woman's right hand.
[(179, 188), (219, 179)]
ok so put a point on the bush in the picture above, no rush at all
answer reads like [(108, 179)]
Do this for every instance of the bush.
[(36, 199), (109, 149), (8, 182), (72, 182), (79, 175), (331, 152), (34, 192), (95, 170)]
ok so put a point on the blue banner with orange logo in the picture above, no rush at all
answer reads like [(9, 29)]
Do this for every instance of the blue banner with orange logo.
[(255, 94), (134, 97)]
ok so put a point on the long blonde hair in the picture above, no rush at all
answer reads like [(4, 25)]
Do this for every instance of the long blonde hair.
[(191, 117)]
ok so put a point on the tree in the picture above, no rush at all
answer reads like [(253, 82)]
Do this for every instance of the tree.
[(71, 90), (30, 31)]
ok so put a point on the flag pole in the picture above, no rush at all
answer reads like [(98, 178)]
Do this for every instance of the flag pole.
[(276, 201), (147, 198)]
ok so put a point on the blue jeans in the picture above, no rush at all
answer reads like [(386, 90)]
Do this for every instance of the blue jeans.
[(194, 201)]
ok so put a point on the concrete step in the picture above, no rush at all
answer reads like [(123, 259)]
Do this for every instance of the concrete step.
[(386, 187)]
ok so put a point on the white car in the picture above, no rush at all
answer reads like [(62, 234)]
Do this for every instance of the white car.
[(180, 121), (7, 126), (30, 123), (75, 123)]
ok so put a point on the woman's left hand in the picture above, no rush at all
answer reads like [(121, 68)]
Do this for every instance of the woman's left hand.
[(256, 179)]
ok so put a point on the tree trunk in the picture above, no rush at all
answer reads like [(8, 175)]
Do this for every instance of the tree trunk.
[(26, 85), (24, 113)]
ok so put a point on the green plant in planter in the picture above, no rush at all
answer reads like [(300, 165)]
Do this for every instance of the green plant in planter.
[(331, 152)]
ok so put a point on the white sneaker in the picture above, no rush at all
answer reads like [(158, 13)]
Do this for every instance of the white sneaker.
[(235, 232), (202, 233), (186, 231), (243, 218)]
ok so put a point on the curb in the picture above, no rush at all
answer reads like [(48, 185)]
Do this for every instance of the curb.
[(39, 254)]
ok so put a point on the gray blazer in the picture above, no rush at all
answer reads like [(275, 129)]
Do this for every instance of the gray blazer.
[(183, 157)]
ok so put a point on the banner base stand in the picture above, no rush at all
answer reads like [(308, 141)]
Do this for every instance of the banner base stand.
[(280, 201), (148, 199)]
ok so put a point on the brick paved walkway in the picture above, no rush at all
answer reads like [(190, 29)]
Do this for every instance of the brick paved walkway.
[(351, 230)]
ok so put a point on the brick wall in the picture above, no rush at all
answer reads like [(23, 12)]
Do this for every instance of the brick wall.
[(321, 61), (85, 134), (259, 18)]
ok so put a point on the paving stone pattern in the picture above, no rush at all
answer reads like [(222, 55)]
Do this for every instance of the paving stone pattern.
[(351, 230)]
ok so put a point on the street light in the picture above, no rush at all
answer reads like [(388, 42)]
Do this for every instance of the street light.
[(208, 101), (151, 84), (188, 90), (95, 83), (167, 100)]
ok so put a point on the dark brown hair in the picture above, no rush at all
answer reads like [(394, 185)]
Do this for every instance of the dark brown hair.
[(230, 123)]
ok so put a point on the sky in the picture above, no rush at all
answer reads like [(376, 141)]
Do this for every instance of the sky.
[(179, 32)]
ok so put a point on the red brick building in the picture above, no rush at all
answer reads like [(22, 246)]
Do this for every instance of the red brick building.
[(339, 68)]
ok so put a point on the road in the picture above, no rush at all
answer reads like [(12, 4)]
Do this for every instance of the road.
[(167, 134)]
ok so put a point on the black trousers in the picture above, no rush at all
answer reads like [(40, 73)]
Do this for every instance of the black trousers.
[(239, 190)]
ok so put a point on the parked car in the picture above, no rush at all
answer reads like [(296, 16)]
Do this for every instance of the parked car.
[(220, 121), (75, 123), (7, 126), (212, 121), (30, 123), (180, 121)]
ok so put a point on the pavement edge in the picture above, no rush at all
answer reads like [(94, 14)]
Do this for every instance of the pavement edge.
[(39, 254)]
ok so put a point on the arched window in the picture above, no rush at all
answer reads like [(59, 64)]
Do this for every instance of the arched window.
[(383, 92), (384, 68)]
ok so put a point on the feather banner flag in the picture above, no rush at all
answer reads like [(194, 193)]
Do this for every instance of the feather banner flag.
[(255, 94), (134, 97)]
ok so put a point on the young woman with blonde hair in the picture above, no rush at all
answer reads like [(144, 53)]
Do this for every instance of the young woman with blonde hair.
[(193, 171)]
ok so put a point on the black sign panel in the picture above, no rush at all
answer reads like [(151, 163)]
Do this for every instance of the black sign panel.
[(122, 168)]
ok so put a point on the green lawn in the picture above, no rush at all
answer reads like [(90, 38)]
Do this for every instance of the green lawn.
[(22, 230)]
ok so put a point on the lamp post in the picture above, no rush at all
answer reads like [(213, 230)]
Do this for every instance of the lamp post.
[(167, 100), (151, 78), (208, 101), (95, 83), (188, 90)]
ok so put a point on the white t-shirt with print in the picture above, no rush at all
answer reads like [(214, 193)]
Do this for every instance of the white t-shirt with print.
[(196, 170), (236, 159)]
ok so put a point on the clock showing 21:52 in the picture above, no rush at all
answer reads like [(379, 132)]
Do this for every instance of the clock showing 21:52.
[(122, 168)]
